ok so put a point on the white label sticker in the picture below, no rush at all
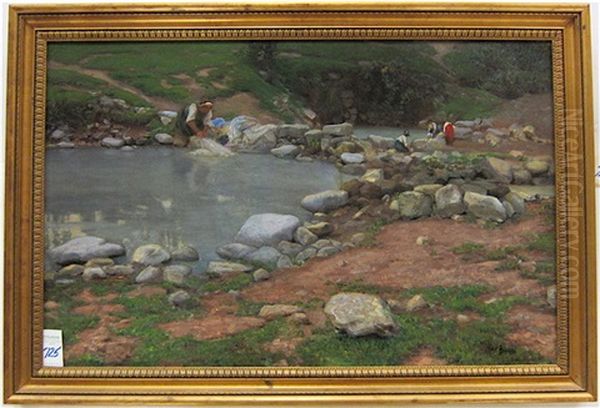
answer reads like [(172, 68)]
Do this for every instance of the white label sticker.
[(53, 348)]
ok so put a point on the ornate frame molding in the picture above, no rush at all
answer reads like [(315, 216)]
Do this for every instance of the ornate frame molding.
[(31, 30)]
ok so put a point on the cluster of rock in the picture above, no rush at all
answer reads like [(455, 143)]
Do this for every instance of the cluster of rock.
[(271, 241), (92, 258), (482, 131), (113, 131)]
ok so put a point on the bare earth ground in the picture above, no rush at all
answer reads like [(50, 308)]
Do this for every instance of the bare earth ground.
[(394, 263)]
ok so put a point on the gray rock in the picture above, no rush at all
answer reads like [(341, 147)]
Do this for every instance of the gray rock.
[(474, 188), (149, 274), (57, 135), (176, 273), (352, 158), (466, 123), (99, 262), (314, 134), (485, 207), (292, 131), (537, 167), (303, 236), (415, 303), (260, 275), (83, 249), (463, 133), (320, 229), (267, 229), (429, 189), (359, 314), (127, 149), (151, 254), (286, 151), (497, 169), (93, 273), (221, 268), (449, 201), (508, 208), (66, 145), (260, 139), (381, 142), (341, 129), (374, 176), (325, 201), (72, 270), (412, 204), (521, 176), (164, 138), (185, 254), (327, 251), (265, 256), (119, 270), (305, 255), (179, 298), (353, 169), (358, 239), (284, 261), (271, 312), (516, 201), (290, 249), (234, 251), (112, 142)]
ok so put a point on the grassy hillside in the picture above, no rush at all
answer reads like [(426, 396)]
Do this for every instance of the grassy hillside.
[(388, 82)]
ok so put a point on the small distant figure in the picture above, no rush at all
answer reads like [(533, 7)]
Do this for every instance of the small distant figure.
[(432, 129), (401, 143), (196, 119), (449, 133)]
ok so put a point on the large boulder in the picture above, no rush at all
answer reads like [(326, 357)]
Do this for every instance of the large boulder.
[(449, 201), (267, 229), (341, 129), (82, 249), (497, 169), (286, 151), (412, 204), (485, 207), (359, 314), (151, 254), (324, 201), (149, 274), (176, 273)]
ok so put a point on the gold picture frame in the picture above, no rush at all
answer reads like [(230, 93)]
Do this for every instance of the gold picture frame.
[(31, 28)]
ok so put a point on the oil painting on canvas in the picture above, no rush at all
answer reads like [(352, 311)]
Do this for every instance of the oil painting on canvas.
[(300, 203)]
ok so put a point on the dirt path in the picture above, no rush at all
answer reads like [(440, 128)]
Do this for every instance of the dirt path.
[(158, 103), (397, 262)]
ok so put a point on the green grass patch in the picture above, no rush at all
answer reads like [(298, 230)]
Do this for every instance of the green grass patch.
[(469, 251), (248, 307), (227, 283), (328, 348), (543, 242), (468, 103), (545, 272)]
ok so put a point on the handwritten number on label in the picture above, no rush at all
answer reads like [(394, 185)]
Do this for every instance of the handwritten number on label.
[(51, 352)]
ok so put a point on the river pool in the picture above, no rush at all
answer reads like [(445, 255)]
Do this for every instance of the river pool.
[(163, 196)]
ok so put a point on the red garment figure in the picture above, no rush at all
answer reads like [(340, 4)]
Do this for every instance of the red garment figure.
[(449, 133)]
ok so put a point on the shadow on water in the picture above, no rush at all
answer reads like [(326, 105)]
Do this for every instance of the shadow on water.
[(162, 195)]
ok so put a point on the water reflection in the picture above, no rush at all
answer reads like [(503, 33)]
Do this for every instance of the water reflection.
[(163, 196)]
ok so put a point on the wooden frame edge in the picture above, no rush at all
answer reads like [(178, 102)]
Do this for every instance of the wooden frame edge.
[(12, 389)]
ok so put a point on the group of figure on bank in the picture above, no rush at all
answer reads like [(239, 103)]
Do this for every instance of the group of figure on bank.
[(196, 120)]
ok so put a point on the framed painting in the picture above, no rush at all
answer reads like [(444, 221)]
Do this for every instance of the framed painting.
[(299, 204)]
